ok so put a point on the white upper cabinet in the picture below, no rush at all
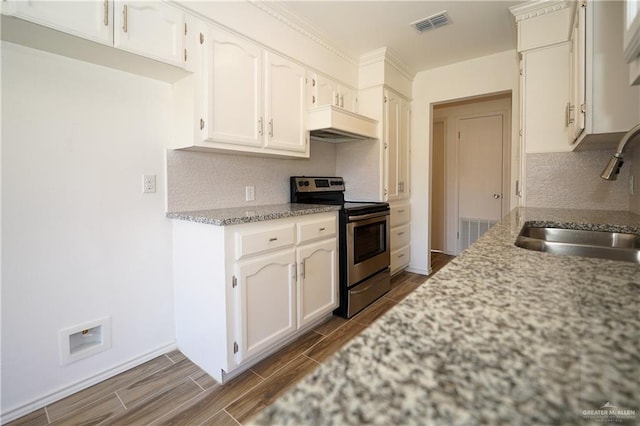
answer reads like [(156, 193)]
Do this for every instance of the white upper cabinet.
[(144, 37), (631, 40), (149, 28), (326, 91), (92, 20), (233, 90), (248, 99), (285, 112), (397, 126)]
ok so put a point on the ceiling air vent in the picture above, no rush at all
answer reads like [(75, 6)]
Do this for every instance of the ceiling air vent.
[(432, 22)]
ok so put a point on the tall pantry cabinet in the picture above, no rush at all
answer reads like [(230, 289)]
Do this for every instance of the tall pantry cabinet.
[(393, 111)]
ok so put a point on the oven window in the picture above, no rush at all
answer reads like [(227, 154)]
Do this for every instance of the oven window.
[(369, 241)]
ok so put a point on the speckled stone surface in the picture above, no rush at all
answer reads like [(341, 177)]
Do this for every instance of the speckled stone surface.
[(238, 215), (501, 335)]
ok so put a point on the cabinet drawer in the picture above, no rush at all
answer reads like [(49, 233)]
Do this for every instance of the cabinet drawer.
[(400, 236), (319, 228), (400, 214), (252, 242), (400, 258)]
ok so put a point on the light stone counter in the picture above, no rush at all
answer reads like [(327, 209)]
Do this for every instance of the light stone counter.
[(239, 215), (501, 335)]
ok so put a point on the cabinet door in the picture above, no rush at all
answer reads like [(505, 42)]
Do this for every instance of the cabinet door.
[(545, 97), (266, 298), (575, 108), (317, 280), (348, 99), (326, 91), (91, 20), (151, 29), (285, 111), (404, 134), (391, 124), (232, 90)]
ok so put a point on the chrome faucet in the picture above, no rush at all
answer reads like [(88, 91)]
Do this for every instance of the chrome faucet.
[(612, 169)]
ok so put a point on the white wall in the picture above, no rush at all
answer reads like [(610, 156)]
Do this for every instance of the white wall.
[(489, 74), (198, 180), (80, 240)]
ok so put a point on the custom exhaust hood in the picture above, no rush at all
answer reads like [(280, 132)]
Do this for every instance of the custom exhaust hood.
[(333, 124)]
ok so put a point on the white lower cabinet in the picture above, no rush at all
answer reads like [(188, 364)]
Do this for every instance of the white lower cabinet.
[(266, 293), (400, 236), (318, 280), (244, 290)]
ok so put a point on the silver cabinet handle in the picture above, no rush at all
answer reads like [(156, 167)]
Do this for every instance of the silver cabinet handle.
[(569, 114), (313, 99), (185, 55), (124, 15), (273, 239), (271, 127), (201, 124), (341, 101), (400, 233), (322, 229), (106, 13), (401, 211), (400, 255)]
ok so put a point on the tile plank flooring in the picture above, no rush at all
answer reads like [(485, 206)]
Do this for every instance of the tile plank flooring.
[(171, 390)]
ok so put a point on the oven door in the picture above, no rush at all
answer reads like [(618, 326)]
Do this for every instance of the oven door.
[(367, 245)]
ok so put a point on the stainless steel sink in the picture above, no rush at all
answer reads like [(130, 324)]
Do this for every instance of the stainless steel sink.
[(572, 242)]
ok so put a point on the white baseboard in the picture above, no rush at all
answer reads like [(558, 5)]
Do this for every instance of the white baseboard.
[(49, 398), (418, 271)]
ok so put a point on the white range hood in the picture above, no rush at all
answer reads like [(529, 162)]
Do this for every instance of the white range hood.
[(332, 124)]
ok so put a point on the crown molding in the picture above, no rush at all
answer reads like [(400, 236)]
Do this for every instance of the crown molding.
[(535, 8), (385, 54), (282, 14)]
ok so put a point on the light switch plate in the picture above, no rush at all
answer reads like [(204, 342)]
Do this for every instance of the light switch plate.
[(250, 193)]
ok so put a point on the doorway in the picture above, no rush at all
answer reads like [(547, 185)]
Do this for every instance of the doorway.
[(470, 169)]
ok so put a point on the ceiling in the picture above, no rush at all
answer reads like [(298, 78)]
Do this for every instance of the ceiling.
[(478, 28)]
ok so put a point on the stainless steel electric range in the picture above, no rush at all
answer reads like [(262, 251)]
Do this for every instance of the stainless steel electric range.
[(363, 241)]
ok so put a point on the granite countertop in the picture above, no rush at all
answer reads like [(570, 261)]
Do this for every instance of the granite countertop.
[(239, 215), (501, 335)]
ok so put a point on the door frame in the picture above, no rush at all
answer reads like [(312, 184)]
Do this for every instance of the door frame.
[(483, 106), (506, 167)]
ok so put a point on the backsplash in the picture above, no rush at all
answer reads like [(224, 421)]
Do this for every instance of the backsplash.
[(199, 180), (572, 180)]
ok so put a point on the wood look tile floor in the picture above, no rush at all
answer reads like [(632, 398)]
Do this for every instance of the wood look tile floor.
[(171, 390)]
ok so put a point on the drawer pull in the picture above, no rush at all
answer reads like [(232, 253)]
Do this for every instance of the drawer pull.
[(322, 229), (400, 255), (401, 211), (273, 239), (400, 233)]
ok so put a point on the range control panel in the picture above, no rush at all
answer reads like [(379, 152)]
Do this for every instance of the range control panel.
[(317, 184)]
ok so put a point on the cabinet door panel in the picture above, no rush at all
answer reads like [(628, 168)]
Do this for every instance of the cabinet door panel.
[(348, 99), (233, 90), (87, 19), (266, 297), (285, 110), (151, 29), (317, 281), (392, 110), (404, 132), (326, 92)]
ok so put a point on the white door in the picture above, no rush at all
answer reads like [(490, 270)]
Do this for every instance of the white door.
[(438, 189), (480, 167), (285, 111), (317, 280), (233, 90), (87, 19), (151, 29), (266, 288)]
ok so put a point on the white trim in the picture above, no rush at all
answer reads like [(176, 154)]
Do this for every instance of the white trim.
[(49, 398), (419, 271), (534, 8), (389, 56)]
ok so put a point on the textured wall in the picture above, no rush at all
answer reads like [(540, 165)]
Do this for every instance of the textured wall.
[(572, 180), (199, 180)]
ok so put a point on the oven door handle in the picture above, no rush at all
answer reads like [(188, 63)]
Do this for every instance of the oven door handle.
[(368, 216)]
